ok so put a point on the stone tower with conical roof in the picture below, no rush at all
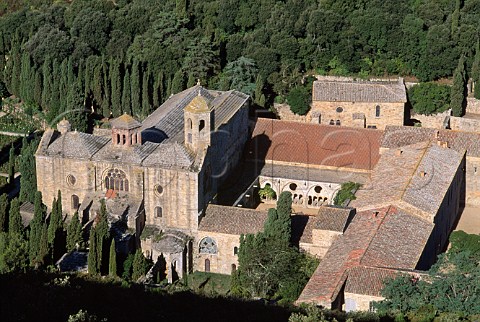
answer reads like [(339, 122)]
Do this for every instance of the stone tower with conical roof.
[(198, 123)]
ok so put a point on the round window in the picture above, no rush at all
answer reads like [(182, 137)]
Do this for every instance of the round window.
[(318, 189), (158, 190), (71, 180), (339, 109), (293, 186)]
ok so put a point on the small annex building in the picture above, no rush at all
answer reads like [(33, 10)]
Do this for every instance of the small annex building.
[(344, 101)]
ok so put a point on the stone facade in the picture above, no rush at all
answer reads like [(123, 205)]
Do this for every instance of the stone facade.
[(356, 103), (160, 173)]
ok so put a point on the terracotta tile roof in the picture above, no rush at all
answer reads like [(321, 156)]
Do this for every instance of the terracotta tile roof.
[(232, 220), (314, 144), (399, 241), (368, 280), (333, 218), (328, 89), (385, 237), (125, 121), (405, 185), (398, 136), (345, 252)]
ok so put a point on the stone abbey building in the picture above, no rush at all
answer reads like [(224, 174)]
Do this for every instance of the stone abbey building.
[(156, 175)]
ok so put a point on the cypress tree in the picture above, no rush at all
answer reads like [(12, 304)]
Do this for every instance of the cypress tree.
[(25, 78), (47, 88), (102, 236), (64, 86), (36, 226), (11, 164), (74, 233), (158, 90), (126, 94), (178, 82), (106, 107), (191, 80), (458, 91), (476, 72), (92, 253), (146, 107), (37, 91), (112, 263), (55, 107), (52, 225), (135, 89), (3, 212), (28, 180), (259, 96), (116, 85), (15, 225), (43, 248), (140, 265), (98, 83)]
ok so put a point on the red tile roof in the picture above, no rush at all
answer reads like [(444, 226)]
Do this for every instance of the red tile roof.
[(315, 144)]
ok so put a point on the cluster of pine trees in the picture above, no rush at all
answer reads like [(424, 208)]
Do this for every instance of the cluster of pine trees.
[(128, 56), (269, 265)]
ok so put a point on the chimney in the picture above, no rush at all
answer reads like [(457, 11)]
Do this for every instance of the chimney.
[(423, 174), (398, 153)]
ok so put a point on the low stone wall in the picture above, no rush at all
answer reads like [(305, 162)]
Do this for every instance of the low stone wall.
[(284, 113), (432, 121), (465, 124), (473, 105)]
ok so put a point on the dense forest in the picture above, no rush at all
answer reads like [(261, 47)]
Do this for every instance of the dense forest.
[(128, 56)]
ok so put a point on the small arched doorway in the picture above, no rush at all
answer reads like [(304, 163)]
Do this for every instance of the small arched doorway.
[(207, 265)]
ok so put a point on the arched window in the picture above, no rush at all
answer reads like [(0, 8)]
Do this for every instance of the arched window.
[(158, 212), (190, 124), (118, 138), (235, 250), (207, 246), (337, 122), (116, 180), (207, 265), (234, 268), (201, 126), (75, 202), (332, 122), (377, 111)]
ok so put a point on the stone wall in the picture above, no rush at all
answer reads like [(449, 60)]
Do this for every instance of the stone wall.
[(465, 124), (472, 174), (357, 114), (359, 302), (284, 113), (321, 242), (473, 105), (225, 260), (435, 121)]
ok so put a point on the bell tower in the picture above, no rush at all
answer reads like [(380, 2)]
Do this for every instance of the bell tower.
[(126, 131), (198, 123)]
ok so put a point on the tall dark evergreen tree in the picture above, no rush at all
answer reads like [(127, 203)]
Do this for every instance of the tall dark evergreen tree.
[(112, 263), (146, 106), (136, 89), (28, 180), (11, 164), (3, 212), (116, 86), (126, 94), (458, 92), (15, 225), (178, 82), (476, 72), (36, 226), (102, 235), (74, 233), (92, 253)]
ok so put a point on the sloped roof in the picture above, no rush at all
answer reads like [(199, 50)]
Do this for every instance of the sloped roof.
[(314, 144), (132, 155), (169, 155), (368, 280), (169, 117), (349, 90), (367, 241), (398, 136), (125, 121), (232, 220), (198, 105), (405, 185), (333, 218), (399, 241), (76, 145)]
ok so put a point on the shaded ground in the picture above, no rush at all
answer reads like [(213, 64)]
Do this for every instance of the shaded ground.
[(36, 297), (469, 220)]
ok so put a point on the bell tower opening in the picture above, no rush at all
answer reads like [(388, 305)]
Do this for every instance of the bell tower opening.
[(126, 131)]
